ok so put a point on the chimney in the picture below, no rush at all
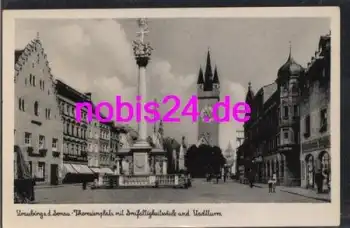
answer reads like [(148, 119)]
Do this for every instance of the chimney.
[(88, 95)]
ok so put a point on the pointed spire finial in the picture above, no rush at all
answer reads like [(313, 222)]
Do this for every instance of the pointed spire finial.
[(37, 36), (290, 50), (249, 85)]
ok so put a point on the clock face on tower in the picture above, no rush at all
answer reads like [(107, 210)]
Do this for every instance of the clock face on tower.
[(207, 114)]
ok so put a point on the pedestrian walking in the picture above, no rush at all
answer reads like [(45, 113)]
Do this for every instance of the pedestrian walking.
[(251, 178), (84, 184), (270, 183), (274, 182)]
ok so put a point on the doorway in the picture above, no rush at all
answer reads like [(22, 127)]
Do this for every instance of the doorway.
[(54, 174)]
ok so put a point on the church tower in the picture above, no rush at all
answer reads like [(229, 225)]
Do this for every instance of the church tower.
[(208, 93)]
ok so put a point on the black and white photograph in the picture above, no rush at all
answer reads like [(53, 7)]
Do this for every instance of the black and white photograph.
[(281, 65)]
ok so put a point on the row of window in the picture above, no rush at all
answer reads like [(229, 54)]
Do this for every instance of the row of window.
[(91, 134), (28, 140), (92, 147), (104, 135), (323, 125), (73, 148), (74, 130), (22, 107), (69, 110), (287, 138), (286, 111)]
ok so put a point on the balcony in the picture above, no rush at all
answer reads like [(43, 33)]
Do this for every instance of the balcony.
[(41, 153), (56, 154)]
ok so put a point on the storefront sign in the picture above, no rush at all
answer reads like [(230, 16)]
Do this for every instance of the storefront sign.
[(316, 144)]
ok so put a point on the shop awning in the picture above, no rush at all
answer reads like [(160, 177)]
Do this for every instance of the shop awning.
[(106, 170), (96, 170), (83, 169), (68, 168)]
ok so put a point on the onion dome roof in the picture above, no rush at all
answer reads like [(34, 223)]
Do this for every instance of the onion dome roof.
[(290, 67)]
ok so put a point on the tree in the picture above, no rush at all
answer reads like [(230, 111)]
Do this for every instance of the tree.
[(190, 157), (218, 160)]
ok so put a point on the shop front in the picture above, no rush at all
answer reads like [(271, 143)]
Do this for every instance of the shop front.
[(316, 164)]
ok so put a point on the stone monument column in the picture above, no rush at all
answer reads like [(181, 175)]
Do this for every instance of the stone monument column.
[(141, 149), (142, 52)]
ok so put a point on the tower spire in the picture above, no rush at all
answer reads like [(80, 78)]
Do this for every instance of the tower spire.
[(208, 75), (200, 79), (290, 50), (216, 76)]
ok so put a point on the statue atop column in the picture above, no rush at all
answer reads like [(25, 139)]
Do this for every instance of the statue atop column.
[(142, 49)]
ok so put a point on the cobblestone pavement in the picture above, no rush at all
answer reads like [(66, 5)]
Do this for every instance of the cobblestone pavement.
[(200, 192)]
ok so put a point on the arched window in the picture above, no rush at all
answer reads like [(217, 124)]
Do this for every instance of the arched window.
[(36, 108), (31, 79), (23, 107), (77, 131), (72, 130)]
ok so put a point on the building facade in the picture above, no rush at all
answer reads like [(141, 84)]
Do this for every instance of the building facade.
[(272, 134), (38, 129), (105, 154), (75, 156), (114, 143), (93, 143), (315, 120), (208, 93)]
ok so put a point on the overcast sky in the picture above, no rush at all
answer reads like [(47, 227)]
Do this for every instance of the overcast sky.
[(96, 56)]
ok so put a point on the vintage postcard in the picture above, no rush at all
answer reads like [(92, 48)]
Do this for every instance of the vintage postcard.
[(171, 117)]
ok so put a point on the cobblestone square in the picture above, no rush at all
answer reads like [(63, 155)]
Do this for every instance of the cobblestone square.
[(200, 192)]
